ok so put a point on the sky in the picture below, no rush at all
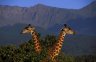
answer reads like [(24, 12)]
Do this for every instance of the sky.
[(70, 4)]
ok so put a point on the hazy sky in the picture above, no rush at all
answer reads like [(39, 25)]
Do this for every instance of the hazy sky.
[(72, 4)]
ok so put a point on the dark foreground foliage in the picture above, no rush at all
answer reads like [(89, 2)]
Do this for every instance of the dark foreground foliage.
[(26, 53)]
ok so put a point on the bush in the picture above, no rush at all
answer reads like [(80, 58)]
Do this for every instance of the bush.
[(26, 53)]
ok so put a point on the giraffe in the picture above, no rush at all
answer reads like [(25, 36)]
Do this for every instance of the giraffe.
[(31, 30), (55, 50)]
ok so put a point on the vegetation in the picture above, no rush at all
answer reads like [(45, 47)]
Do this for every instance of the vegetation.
[(26, 53)]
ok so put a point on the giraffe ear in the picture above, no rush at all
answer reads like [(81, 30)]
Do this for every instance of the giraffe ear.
[(65, 25)]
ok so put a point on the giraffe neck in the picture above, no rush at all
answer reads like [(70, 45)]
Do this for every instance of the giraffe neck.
[(37, 46), (57, 46)]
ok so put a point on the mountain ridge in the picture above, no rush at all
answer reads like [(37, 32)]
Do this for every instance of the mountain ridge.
[(22, 14), (49, 20)]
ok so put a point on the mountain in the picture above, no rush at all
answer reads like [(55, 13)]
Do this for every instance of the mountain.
[(91, 7), (80, 45), (36, 15), (84, 18), (49, 20)]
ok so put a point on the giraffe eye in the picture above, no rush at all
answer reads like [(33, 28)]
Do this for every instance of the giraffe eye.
[(62, 29), (26, 28)]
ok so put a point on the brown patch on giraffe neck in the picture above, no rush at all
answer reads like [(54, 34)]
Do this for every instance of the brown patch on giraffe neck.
[(37, 45), (57, 46)]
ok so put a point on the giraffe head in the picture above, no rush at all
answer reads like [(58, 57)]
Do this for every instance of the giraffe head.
[(67, 30), (28, 29)]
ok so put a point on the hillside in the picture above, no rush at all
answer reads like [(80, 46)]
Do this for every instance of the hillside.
[(49, 20)]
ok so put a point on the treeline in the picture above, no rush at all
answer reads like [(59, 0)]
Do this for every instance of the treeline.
[(26, 53)]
